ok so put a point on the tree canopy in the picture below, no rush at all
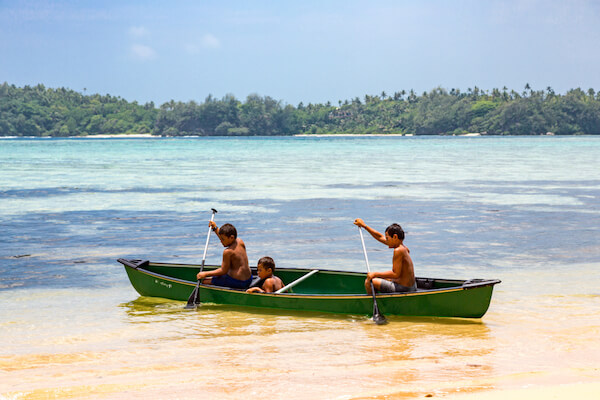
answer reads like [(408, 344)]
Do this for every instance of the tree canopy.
[(41, 111)]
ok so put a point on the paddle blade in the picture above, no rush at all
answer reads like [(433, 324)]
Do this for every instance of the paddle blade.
[(193, 300), (378, 318)]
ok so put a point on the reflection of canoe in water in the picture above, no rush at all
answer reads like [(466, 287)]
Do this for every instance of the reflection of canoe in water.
[(323, 290)]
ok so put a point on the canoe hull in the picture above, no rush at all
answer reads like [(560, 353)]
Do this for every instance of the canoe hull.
[(451, 298)]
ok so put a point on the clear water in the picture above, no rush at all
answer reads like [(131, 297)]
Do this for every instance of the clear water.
[(522, 209)]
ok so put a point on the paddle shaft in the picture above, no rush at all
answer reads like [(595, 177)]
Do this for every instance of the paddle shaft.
[(194, 298), (362, 240), (297, 281), (212, 218), (377, 316)]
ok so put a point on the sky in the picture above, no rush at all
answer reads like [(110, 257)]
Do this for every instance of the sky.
[(309, 51)]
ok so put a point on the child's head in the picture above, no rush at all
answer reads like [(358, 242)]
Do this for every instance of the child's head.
[(395, 229), (265, 267), (228, 230), (227, 234)]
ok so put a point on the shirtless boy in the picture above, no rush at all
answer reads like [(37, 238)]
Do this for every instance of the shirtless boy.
[(270, 283), (234, 271), (402, 276)]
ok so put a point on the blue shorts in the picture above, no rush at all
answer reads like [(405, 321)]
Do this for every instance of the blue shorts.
[(227, 281)]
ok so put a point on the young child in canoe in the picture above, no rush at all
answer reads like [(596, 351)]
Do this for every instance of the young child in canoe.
[(402, 276), (234, 271), (270, 283)]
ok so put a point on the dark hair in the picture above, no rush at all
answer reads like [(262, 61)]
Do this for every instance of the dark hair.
[(228, 230), (395, 229), (267, 262)]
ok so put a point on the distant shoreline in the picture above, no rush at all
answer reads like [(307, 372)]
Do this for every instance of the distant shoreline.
[(351, 135), (39, 111), (303, 135), (376, 135), (124, 135)]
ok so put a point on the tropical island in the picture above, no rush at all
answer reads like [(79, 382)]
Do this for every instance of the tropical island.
[(37, 111)]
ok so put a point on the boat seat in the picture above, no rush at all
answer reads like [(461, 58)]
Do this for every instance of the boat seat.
[(256, 281), (424, 283)]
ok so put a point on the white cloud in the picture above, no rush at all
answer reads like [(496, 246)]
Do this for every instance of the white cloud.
[(192, 48), (207, 41), (143, 52), (138, 31), (210, 41)]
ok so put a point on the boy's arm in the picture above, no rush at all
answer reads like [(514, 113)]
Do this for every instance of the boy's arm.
[(376, 235), (269, 285), (222, 270), (214, 227), (384, 275), (395, 273)]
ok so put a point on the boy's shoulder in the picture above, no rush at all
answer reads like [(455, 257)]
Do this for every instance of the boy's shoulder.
[(402, 249)]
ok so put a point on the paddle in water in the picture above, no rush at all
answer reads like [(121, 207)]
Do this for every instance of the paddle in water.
[(194, 299), (378, 318)]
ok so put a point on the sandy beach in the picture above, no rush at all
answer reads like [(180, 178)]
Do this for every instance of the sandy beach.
[(124, 136), (352, 135)]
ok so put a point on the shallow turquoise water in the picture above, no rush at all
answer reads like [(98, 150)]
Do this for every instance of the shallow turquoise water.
[(478, 203), (522, 209)]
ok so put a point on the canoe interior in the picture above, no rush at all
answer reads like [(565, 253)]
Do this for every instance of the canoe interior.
[(326, 281)]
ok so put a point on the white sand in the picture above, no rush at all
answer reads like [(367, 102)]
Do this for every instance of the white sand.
[(135, 135)]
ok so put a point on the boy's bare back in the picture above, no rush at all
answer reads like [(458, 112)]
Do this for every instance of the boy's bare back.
[(235, 261)]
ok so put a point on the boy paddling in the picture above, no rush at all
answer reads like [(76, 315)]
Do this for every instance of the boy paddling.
[(402, 276), (234, 271)]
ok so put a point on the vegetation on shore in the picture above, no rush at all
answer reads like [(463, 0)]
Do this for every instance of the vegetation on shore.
[(41, 111)]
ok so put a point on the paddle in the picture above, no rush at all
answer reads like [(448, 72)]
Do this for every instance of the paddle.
[(297, 281), (378, 318), (194, 298)]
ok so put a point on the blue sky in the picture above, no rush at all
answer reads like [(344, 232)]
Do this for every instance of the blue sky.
[(310, 51)]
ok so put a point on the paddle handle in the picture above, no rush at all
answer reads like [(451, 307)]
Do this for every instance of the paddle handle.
[(212, 218)]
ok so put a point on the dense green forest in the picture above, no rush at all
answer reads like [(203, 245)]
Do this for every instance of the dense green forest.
[(41, 111)]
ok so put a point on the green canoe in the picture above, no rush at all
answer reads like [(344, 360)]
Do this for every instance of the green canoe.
[(318, 290)]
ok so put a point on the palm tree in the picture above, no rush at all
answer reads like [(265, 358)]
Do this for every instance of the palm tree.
[(591, 93)]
